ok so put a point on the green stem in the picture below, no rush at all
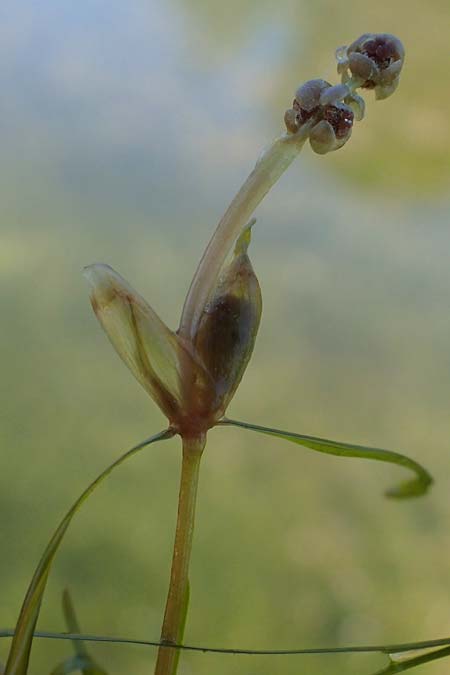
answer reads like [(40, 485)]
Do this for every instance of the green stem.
[(178, 588), (271, 165)]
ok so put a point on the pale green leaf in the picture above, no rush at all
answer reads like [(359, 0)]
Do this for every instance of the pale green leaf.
[(412, 488)]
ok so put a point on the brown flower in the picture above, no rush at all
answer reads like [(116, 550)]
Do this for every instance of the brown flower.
[(374, 61), (321, 105)]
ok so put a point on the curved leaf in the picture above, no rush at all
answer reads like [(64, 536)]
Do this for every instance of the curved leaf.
[(412, 488), (19, 653)]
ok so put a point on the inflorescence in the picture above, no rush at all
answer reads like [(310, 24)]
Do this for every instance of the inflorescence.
[(373, 61)]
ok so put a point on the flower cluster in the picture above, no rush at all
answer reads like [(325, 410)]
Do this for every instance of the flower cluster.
[(373, 61), (322, 106)]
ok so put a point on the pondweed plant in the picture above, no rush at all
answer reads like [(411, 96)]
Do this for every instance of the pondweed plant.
[(193, 373)]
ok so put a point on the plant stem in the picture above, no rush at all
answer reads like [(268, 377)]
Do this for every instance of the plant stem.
[(268, 169), (178, 588)]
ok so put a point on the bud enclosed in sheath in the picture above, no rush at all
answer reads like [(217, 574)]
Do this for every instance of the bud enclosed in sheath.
[(228, 326)]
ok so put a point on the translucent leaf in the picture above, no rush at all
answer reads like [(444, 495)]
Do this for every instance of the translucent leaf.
[(412, 488), (19, 653), (152, 352)]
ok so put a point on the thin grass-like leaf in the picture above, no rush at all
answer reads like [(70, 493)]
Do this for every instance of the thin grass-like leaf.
[(89, 666), (19, 653), (412, 488), (393, 651)]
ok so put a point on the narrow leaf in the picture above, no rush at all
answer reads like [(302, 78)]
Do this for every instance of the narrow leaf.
[(89, 666), (19, 653), (424, 651), (72, 623), (412, 488), (439, 645)]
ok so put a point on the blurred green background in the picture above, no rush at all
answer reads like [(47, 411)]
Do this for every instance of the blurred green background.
[(125, 130)]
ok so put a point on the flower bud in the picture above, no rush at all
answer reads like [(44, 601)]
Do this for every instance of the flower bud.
[(308, 95), (228, 326), (374, 61), (333, 130), (306, 104), (331, 120)]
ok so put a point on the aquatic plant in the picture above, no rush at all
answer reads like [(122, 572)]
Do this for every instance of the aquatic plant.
[(192, 373)]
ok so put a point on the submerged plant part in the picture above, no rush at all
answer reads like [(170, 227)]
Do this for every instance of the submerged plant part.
[(192, 373)]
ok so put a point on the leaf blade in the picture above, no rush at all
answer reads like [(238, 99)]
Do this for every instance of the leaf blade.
[(412, 488), (86, 663), (19, 654)]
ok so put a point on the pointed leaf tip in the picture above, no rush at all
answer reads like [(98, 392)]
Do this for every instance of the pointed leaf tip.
[(244, 239), (82, 661), (413, 488)]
